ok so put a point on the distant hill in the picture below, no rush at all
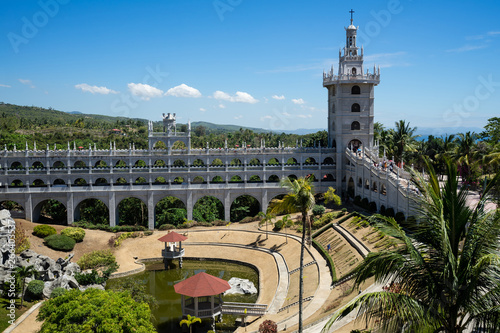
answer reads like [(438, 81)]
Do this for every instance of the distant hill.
[(234, 128)]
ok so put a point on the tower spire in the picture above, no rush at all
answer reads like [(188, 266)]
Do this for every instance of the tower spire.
[(352, 12)]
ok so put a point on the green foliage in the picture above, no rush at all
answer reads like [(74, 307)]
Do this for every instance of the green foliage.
[(86, 279), (23, 272), (60, 242), (244, 206), (190, 320), (22, 241), (166, 227), (208, 209), (76, 233), (187, 225), (328, 258), (35, 289), (136, 289), (318, 209), (43, 230), (59, 291), (83, 312), (94, 211), (170, 210), (133, 211), (53, 211), (96, 259), (122, 237), (323, 220)]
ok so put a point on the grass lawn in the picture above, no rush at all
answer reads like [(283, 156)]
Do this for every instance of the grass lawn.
[(4, 319)]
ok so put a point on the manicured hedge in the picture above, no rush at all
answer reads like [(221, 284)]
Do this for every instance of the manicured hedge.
[(76, 233), (43, 231), (59, 291), (328, 258), (35, 289), (60, 242), (96, 259)]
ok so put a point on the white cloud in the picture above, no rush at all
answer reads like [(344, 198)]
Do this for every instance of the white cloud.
[(286, 114), (27, 82), (298, 101), (183, 90), (4, 85), (95, 89), (467, 48), (278, 97), (304, 116), (266, 118), (203, 109), (238, 117), (144, 91), (222, 106), (240, 96)]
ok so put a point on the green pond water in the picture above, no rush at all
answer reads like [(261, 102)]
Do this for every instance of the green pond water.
[(160, 283)]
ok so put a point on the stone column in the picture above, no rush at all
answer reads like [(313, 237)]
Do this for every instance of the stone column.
[(151, 211), (28, 208), (113, 218), (70, 213), (227, 206), (265, 202), (189, 205)]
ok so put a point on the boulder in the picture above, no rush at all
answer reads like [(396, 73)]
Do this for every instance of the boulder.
[(65, 281), (27, 254), (72, 269), (241, 286)]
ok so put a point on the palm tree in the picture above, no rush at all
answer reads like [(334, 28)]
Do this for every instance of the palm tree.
[(300, 199), (24, 272), (444, 274), (266, 218), (190, 321), (403, 139)]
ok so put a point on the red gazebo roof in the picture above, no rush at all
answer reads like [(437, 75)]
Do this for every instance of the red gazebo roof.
[(172, 237), (201, 284)]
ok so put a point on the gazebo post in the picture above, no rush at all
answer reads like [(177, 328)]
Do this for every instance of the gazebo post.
[(212, 304), (196, 306), (183, 303), (180, 258)]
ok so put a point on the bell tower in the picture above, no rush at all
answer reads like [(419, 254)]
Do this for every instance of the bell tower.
[(350, 102)]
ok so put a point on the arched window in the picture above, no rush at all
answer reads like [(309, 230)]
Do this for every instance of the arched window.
[(353, 71), (355, 90), (355, 107), (355, 126)]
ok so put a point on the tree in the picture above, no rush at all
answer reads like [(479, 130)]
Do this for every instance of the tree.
[(268, 326), (443, 275), (24, 272), (190, 321), (95, 310), (403, 139), (266, 218), (300, 199)]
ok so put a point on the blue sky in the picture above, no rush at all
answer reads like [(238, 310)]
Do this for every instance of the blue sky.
[(250, 62)]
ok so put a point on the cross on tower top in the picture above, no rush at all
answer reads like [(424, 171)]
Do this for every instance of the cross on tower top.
[(352, 12)]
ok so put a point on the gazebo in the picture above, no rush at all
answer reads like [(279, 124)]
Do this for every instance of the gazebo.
[(201, 290), (171, 252)]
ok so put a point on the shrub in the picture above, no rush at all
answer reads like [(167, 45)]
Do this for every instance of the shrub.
[(60, 242), (76, 233), (96, 259), (219, 223), (128, 228), (59, 291), (148, 232), (166, 227), (248, 219), (203, 224), (373, 207), (318, 209), (344, 210), (389, 212), (35, 289), (43, 231), (400, 217), (122, 237), (86, 279), (278, 225), (268, 326), (187, 225), (22, 241)]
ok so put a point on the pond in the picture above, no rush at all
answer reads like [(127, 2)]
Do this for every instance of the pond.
[(160, 283)]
